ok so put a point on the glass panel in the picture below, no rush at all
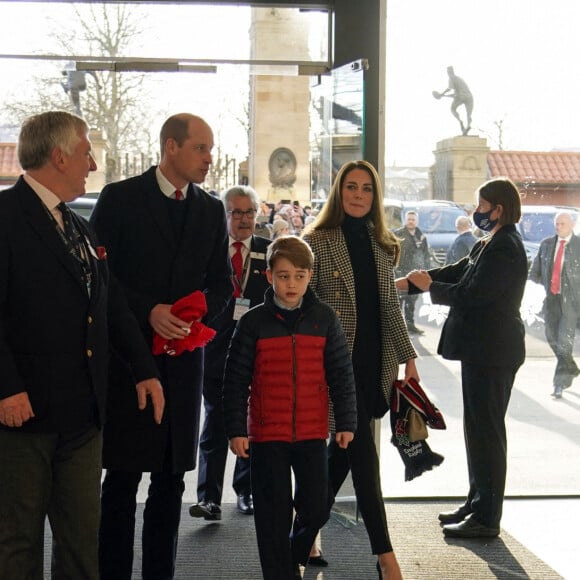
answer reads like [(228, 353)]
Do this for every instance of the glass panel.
[(519, 66), (337, 133), (337, 124)]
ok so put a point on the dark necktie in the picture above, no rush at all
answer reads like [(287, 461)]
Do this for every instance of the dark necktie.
[(75, 245), (178, 195), (237, 264), (68, 228), (555, 284)]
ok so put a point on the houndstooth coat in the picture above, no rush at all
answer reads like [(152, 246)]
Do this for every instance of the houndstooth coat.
[(333, 282)]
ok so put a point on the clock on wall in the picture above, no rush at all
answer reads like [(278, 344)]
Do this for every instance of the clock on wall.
[(282, 167)]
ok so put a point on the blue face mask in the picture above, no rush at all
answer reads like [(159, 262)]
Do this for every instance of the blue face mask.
[(482, 221)]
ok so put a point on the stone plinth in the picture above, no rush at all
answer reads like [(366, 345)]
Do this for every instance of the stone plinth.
[(460, 168)]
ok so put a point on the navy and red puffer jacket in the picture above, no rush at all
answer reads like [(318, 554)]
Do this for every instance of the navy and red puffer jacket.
[(279, 375)]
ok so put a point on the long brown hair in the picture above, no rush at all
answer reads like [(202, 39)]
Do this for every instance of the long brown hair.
[(332, 214)]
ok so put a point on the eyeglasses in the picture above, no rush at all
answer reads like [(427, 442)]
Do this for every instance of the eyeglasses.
[(237, 214)]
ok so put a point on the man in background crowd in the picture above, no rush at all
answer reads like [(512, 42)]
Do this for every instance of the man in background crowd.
[(414, 256), (464, 241), (557, 267)]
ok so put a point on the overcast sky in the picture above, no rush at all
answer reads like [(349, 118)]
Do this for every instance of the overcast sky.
[(518, 57)]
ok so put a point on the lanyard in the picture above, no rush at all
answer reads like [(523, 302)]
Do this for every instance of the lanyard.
[(78, 251)]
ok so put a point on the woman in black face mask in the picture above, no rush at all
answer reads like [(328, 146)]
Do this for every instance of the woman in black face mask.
[(485, 332)]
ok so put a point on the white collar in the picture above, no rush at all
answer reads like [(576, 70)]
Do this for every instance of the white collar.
[(48, 198)]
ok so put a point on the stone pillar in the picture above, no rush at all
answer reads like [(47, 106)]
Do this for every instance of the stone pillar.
[(279, 166), (460, 168), (100, 146)]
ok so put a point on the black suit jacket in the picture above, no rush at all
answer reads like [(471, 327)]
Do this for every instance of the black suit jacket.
[(484, 291), (541, 270), (131, 218), (53, 336), (257, 283), (460, 247)]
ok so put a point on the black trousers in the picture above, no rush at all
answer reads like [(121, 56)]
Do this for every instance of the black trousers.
[(282, 543), (213, 450), (486, 395), (361, 458), (560, 328), (160, 525), (408, 307)]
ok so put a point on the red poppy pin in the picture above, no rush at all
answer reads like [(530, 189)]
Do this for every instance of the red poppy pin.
[(101, 252)]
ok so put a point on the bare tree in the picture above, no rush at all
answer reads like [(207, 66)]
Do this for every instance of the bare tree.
[(120, 104), (116, 103)]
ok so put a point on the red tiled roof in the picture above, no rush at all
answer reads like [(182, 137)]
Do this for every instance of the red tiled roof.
[(541, 167), (9, 166)]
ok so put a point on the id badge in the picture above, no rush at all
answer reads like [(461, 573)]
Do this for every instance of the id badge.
[(241, 307)]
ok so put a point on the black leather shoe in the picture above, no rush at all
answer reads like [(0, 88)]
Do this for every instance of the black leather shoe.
[(206, 509), (455, 516), (319, 561), (470, 528), (246, 504)]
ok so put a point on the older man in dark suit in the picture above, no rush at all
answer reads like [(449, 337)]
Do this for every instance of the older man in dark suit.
[(57, 308), (166, 238), (464, 241), (248, 255), (557, 267)]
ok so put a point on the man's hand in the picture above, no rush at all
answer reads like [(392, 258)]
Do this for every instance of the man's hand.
[(153, 388), (240, 446), (166, 324), (343, 438), (421, 279), (15, 410), (402, 284)]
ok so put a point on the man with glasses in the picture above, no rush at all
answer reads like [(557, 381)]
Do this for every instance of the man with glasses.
[(248, 255), (166, 238)]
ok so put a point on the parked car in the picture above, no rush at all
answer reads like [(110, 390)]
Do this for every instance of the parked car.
[(537, 223), (436, 221), (83, 205)]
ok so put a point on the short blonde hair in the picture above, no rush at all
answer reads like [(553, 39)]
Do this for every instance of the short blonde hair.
[(279, 226)]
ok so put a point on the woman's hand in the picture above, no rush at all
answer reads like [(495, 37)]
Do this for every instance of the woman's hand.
[(410, 371)]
